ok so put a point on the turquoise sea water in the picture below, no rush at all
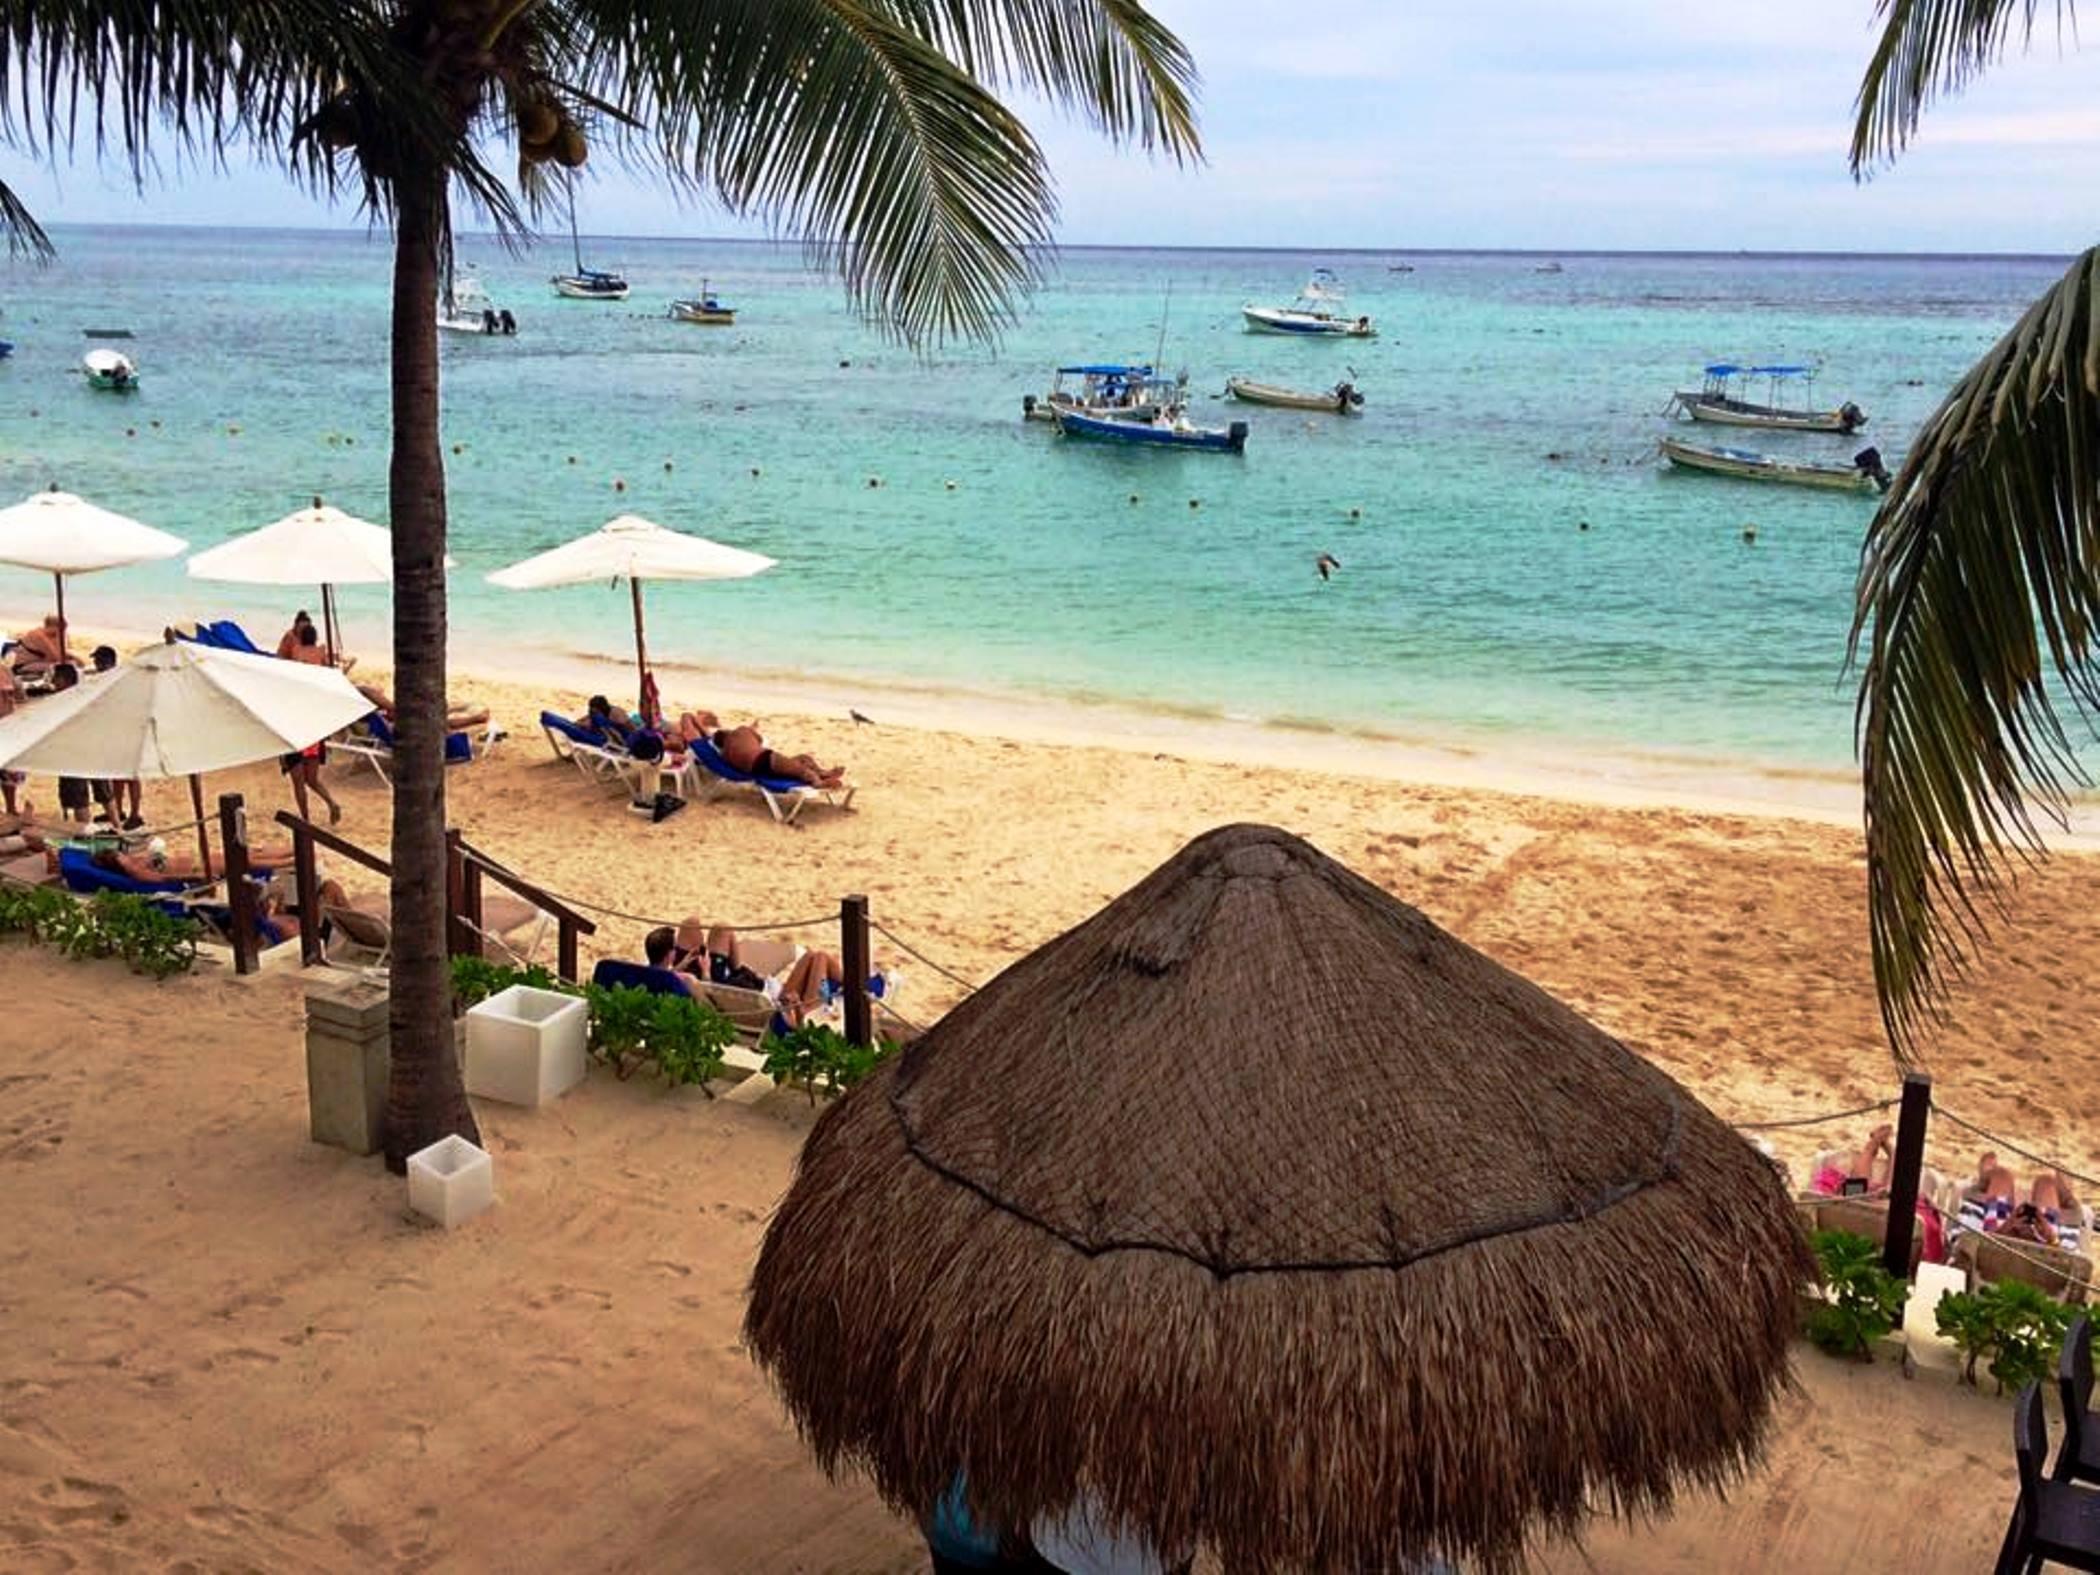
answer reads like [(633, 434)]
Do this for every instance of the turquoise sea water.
[(1504, 407)]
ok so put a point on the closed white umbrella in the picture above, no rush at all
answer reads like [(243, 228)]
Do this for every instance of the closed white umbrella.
[(62, 534), (633, 549), (318, 545), (179, 709)]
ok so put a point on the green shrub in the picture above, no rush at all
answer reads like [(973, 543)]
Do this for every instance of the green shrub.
[(2016, 1329), (818, 1058), (112, 924), (1865, 1302)]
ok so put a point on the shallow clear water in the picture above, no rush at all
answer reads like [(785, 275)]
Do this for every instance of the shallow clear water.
[(1504, 407)]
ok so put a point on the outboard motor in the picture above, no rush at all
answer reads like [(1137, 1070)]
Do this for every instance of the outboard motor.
[(1852, 416), (1027, 406), (1869, 462), (1236, 435), (510, 323), (488, 321), (1346, 397)]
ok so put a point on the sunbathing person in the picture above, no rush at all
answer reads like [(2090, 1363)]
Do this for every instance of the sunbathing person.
[(659, 947), (38, 650), (601, 716), (158, 862), (458, 717), (745, 748), (815, 983), (711, 953), (1989, 1200), (279, 920), (692, 725), (1867, 1173)]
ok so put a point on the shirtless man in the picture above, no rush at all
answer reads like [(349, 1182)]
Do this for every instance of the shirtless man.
[(288, 642), (745, 748), (37, 650), (158, 862)]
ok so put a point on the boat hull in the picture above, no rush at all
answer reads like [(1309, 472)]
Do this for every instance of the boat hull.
[(706, 316), (1147, 434), (573, 289), (1736, 413), (109, 372), (1254, 393), (1745, 466), (1049, 406), (1305, 325), (473, 326)]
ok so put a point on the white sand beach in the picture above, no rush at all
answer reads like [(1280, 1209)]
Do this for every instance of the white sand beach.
[(230, 1348)]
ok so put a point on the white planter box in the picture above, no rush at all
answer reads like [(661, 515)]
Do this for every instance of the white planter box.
[(451, 1181), (525, 1046)]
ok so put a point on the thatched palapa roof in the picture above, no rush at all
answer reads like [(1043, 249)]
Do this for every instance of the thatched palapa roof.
[(1278, 1220)]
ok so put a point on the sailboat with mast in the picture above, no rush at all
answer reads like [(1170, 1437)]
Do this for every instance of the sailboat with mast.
[(586, 284)]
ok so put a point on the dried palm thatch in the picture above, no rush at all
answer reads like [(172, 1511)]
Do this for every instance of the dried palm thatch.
[(1279, 1221)]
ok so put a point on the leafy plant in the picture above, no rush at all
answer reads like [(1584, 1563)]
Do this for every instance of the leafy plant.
[(817, 1057), (1865, 1300), (2014, 1328), (621, 1018), (687, 1038), (152, 942)]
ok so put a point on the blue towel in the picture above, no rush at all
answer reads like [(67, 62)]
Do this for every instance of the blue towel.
[(232, 637), (575, 732), (613, 974), (459, 749)]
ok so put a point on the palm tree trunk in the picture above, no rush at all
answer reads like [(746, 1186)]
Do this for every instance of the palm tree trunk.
[(425, 1100)]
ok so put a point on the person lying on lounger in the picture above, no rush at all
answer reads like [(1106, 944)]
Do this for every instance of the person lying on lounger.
[(1866, 1174), (659, 948), (158, 862), (37, 650), (745, 748), (458, 716), (711, 953)]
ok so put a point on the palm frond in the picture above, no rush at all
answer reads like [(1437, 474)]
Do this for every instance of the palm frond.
[(1979, 592), (1927, 49), (25, 237), (833, 119), (1110, 60)]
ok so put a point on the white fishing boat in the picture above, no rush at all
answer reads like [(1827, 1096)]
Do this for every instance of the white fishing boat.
[(1788, 405), (1866, 473), (466, 308), (704, 308), (1109, 390), (1343, 397), (1319, 312), (110, 370)]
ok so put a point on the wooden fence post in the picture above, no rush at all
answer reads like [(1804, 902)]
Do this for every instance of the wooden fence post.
[(1911, 1117), (240, 895), (306, 882), (853, 959), (566, 961), (459, 940)]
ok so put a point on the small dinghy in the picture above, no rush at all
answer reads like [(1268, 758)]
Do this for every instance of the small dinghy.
[(1866, 473), (1342, 397), (109, 370)]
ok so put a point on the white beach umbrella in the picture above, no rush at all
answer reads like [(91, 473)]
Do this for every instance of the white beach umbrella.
[(61, 534), (318, 545), (177, 710), (633, 549)]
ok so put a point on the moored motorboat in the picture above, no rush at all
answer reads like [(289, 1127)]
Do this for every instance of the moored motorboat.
[(1866, 473), (110, 370), (1343, 397), (705, 308), (1171, 428), (466, 308), (1720, 401), (1110, 390), (590, 284), (1318, 312)]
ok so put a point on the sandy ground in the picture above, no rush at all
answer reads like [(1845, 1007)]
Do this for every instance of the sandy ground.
[(225, 1348)]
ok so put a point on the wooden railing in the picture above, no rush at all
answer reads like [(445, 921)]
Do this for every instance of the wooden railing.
[(467, 868)]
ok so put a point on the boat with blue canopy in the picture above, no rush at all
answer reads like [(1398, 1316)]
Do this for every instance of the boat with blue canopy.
[(1788, 404), (1109, 390), (1171, 428)]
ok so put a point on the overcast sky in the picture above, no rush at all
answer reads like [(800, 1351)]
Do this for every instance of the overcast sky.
[(1557, 124)]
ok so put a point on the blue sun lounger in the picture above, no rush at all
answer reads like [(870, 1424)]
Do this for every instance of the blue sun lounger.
[(596, 752), (178, 899), (376, 747), (713, 775)]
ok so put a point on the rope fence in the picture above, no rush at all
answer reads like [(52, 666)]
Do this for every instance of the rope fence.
[(918, 956), (2011, 1147), (1780, 1123)]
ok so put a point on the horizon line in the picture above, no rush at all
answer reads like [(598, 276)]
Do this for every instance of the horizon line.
[(1145, 246)]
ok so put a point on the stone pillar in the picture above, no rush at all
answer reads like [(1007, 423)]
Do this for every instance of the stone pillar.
[(346, 1061)]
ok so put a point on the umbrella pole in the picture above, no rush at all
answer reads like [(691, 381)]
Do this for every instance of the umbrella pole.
[(641, 653), (328, 632), (203, 830), (59, 581)]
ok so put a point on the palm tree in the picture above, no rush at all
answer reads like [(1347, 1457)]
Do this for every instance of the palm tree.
[(1979, 585), (870, 126)]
